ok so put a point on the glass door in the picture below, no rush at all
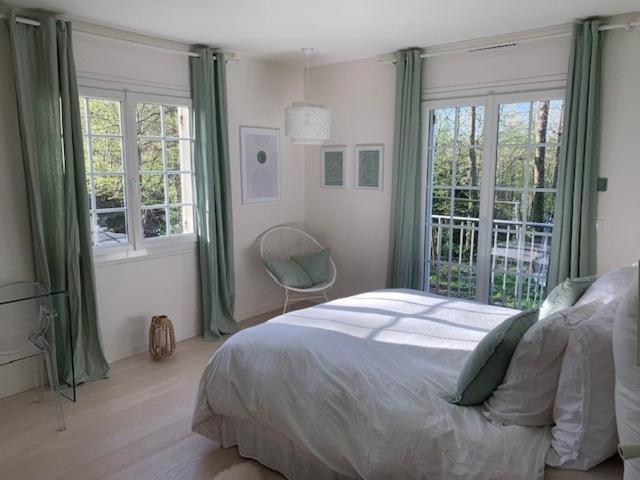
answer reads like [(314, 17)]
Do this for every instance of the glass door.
[(490, 196), (455, 154), (528, 145)]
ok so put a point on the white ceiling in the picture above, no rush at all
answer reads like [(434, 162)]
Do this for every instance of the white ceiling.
[(338, 29)]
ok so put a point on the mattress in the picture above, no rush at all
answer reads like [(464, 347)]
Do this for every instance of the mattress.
[(356, 388)]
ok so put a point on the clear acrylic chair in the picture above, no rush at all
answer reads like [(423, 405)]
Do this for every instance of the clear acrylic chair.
[(39, 343)]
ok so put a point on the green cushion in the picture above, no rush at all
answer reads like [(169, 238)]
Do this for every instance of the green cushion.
[(288, 273), (565, 295), (488, 363), (316, 265)]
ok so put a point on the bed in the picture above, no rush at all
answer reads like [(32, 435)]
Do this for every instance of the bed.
[(357, 388)]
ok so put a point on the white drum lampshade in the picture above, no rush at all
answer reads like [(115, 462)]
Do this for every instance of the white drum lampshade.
[(304, 122), (308, 124)]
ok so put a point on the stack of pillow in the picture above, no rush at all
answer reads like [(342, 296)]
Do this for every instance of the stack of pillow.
[(301, 271), (560, 373)]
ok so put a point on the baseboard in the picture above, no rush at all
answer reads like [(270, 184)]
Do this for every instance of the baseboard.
[(270, 307), (130, 351)]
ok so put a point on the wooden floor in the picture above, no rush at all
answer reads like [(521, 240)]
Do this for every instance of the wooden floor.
[(135, 426)]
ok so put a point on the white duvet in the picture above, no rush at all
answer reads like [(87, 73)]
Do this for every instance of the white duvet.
[(359, 384)]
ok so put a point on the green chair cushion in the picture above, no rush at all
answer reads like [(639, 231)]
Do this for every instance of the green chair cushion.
[(565, 295), (487, 365), (316, 265), (288, 273)]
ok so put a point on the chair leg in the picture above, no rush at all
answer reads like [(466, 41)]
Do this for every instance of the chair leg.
[(55, 390), (38, 377), (286, 301), (326, 298)]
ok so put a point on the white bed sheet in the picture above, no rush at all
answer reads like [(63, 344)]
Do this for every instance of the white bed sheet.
[(358, 383)]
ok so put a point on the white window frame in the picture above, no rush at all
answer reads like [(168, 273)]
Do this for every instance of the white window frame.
[(137, 245), (491, 103)]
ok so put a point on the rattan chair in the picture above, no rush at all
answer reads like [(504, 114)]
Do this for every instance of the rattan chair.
[(280, 243)]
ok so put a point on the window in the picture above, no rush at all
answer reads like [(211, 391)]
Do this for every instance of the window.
[(139, 170), (104, 164), (491, 190), (164, 165)]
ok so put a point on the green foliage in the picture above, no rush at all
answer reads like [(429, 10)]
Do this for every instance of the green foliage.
[(527, 150), (163, 147)]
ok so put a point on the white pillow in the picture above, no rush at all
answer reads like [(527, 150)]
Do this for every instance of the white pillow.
[(527, 394), (627, 375), (609, 286), (585, 431)]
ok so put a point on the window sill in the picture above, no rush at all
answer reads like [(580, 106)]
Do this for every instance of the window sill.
[(148, 252)]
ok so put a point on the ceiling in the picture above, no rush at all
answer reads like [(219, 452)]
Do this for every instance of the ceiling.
[(339, 30)]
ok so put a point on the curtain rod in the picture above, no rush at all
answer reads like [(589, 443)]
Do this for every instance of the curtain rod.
[(36, 23), (603, 28)]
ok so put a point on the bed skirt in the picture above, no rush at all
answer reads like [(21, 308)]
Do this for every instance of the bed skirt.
[(267, 446)]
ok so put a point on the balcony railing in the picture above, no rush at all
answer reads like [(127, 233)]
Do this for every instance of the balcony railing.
[(519, 260)]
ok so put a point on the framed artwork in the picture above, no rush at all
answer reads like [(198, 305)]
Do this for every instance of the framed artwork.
[(260, 158), (369, 166), (333, 166)]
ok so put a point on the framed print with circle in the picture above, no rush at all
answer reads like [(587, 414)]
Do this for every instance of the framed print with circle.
[(333, 166), (369, 166), (260, 159)]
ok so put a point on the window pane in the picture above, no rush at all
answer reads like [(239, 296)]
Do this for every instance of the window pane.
[(180, 188), (154, 222), (469, 166), (109, 191), (176, 121), (104, 116), (89, 191), (441, 202), (508, 206), (541, 207), (112, 229), (87, 155), (544, 167), (150, 155), (547, 121), (471, 123), (181, 219), (510, 166), (106, 154), (83, 114), (513, 124), (148, 119), (178, 155), (442, 165), (152, 189), (466, 204), (443, 126)]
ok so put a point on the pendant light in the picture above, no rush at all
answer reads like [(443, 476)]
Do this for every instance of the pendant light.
[(305, 122)]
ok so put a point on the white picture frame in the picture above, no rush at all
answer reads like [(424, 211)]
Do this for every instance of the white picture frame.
[(261, 164), (369, 166), (334, 166)]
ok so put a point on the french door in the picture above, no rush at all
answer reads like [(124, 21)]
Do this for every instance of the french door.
[(490, 196)]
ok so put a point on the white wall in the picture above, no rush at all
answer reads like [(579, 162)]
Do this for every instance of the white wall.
[(354, 223), (619, 236), (131, 291), (258, 93)]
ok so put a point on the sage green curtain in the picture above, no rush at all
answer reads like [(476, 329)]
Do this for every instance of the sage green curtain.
[(573, 248), (52, 150), (404, 269), (213, 192)]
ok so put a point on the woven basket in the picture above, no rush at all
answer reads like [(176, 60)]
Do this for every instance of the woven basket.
[(162, 339)]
